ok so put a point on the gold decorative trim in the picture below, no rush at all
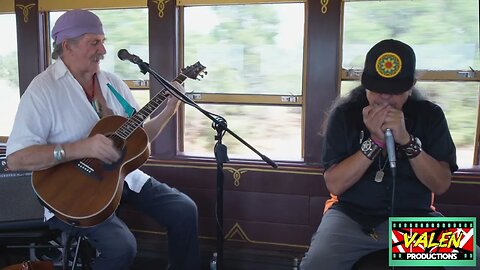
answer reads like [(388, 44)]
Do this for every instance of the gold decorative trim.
[(466, 182), (236, 173), (229, 2), (150, 232), (7, 6), (324, 4), (235, 231), (55, 5), (25, 11), (161, 7)]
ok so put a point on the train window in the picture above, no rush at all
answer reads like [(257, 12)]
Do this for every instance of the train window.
[(444, 33), (460, 109), (445, 37), (254, 57), (115, 24), (9, 84), (257, 130)]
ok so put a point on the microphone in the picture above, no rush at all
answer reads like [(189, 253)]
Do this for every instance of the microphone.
[(123, 54), (390, 142)]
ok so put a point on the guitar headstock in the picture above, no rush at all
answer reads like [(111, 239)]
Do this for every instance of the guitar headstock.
[(194, 71)]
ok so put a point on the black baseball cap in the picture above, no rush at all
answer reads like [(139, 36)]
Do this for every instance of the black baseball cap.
[(389, 67)]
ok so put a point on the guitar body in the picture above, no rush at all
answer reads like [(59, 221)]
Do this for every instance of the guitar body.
[(86, 192)]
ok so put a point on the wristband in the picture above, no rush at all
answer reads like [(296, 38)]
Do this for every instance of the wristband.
[(413, 148), (370, 149)]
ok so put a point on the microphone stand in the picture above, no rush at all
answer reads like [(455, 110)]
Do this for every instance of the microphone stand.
[(220, 150), (394, 180)]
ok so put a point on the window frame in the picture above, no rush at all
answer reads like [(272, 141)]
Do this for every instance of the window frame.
[(239, 99), (320, 72), (8, 9)]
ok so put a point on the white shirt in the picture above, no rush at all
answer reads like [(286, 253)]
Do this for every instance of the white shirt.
[(55, 110)]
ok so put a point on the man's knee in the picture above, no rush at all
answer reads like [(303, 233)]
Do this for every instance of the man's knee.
[(123, 247), (187, 209)]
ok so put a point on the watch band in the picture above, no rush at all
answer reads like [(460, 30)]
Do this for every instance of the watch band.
[(412, 149), (370, 149), (59, 153)]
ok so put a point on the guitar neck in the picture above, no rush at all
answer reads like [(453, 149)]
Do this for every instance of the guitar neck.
[(139, 117)]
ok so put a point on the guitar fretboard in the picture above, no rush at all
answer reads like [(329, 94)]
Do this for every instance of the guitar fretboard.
[(139, 117)]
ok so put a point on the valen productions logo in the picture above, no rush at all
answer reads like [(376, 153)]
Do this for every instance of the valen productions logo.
[(432, 241)]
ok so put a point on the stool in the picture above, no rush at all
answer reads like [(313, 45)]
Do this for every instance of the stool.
[(66, 251), (377, 260), (77, 248), (31, 235)]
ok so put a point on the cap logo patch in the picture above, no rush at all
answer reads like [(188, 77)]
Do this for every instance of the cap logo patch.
[(388, 65)]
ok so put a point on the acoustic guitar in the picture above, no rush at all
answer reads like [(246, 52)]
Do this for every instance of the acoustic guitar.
[(87, 191)]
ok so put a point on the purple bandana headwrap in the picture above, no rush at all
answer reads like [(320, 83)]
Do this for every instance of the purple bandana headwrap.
[(75, 23)]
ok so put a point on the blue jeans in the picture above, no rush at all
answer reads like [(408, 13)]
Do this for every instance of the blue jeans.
[(169, 207)]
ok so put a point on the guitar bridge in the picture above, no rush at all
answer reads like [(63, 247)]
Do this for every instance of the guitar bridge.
[(88, 170)]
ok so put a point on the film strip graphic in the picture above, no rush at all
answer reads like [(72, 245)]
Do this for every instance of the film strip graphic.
[(432, 241)]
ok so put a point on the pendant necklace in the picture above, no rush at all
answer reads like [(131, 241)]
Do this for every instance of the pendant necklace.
[(91, 96), (92, 99), (379, 175)]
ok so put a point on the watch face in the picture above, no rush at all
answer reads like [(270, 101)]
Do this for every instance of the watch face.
[(366, 145)]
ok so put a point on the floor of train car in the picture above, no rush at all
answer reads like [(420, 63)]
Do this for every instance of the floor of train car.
[(238, 259)]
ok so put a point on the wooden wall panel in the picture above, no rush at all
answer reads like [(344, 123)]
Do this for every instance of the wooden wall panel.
[(266, 207), (262, 209), (316, 207), (322, 70), (462, 191), (30, 41), (163, 53)]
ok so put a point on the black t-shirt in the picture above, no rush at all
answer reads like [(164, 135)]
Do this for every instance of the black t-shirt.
[(370, 202)]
